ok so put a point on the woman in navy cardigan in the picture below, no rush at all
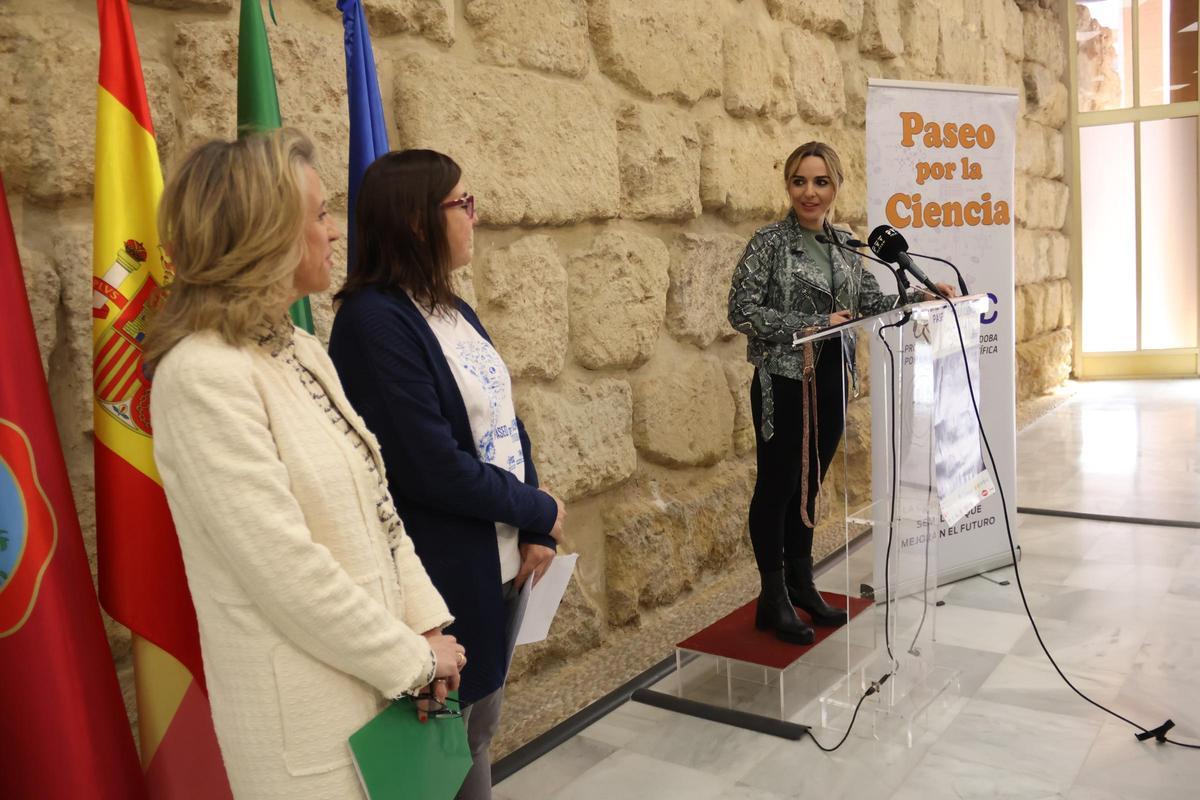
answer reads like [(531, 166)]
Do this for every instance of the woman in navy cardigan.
[(419, 367)]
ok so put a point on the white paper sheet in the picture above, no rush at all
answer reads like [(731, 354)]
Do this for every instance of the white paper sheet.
[(543, 599)]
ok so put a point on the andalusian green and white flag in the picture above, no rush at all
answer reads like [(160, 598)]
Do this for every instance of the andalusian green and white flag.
[(258, 102)]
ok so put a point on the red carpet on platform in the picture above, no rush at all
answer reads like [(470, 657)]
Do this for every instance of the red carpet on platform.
[(734, 635)]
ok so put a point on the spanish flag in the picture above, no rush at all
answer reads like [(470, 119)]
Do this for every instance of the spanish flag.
[(142, 579)]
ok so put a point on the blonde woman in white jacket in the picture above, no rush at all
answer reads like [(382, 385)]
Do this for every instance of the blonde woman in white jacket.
[(312, 606)]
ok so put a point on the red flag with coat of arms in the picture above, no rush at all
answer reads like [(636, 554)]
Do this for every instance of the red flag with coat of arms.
[(65, 733)]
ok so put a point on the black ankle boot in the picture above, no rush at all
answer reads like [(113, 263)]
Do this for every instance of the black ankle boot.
[(775, 612), (798, 575)]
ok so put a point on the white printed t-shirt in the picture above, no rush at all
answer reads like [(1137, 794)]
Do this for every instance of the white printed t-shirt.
[(486, 389)]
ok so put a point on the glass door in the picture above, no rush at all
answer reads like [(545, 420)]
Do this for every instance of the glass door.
[(1135, 70)]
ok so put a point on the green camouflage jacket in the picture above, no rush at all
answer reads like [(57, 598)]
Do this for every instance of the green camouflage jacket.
[(778, 289)]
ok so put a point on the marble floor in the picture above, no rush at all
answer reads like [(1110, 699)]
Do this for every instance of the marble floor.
[(1122, 448), (1118, 604)]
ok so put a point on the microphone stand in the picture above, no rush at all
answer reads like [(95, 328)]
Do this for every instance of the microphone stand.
[(902, 283), (962, 285)]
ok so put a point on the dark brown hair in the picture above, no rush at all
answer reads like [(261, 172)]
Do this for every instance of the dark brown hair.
[(400, 228)]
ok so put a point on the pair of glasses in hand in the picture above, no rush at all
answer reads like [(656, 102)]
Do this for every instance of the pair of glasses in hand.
[(429, 706)]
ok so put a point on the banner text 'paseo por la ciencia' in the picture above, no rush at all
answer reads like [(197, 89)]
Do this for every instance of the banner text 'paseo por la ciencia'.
[(904, 210)]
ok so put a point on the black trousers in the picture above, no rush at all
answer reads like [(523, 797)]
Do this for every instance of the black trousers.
[(777, 529)]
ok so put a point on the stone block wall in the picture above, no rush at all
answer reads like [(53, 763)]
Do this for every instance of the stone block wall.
[(1044, 300), (622, 151)]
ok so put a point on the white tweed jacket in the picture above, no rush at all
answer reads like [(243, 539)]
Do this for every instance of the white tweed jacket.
[(308, 618)]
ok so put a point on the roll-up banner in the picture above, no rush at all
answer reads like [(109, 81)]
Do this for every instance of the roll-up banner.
[(941, 171)]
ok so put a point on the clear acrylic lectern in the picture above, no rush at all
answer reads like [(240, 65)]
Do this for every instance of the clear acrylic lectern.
[(900, 470)]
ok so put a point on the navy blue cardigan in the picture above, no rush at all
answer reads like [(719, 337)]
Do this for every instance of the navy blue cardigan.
[(394, 372)]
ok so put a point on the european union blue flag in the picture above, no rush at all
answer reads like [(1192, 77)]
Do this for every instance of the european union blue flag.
[(368, 131)]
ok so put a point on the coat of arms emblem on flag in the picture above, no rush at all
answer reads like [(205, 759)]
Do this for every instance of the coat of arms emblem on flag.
[(28, 529), (122, 390)]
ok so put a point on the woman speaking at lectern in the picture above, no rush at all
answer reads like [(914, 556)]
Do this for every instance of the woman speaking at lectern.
[(788, 282)]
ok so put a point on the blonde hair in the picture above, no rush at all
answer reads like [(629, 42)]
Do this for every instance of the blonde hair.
[(822, 151), (231, 220), (832, 163)]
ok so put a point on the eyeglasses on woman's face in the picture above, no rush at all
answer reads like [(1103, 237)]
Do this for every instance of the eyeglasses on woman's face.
[(466, 203)]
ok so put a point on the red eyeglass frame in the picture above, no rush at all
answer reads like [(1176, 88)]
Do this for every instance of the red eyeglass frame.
[(467, 203)]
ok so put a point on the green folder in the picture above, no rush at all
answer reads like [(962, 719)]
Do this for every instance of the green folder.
[(398, 757)]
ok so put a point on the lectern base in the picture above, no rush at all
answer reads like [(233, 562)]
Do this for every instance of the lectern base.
[(897, 711), (737, 675)]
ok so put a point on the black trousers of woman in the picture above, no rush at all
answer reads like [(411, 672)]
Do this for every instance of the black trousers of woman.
[(777, 529)]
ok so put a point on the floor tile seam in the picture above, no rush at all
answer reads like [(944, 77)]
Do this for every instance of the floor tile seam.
[(1063, 784), (1139, 676), (557, 794), (807, 747), (1056, 685), (1115, 559), (1040, 659), (1048, 633), (1079, 773), (726, 781), (1086, 711), (912, 767), (1049, 784), (628, 748), (541, 777), (1013, 588), (593, 740), (804, 747), (1003, 767), (1064, 719)]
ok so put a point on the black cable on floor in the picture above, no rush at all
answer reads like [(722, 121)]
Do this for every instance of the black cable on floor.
[(872, 689), (1158, 733)]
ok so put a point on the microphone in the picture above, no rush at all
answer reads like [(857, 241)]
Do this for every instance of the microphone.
[(851, 244), (887, 243), (962, 284)]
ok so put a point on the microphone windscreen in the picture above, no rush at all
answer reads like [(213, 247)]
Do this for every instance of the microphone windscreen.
[(887, 243), (821, 238)]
